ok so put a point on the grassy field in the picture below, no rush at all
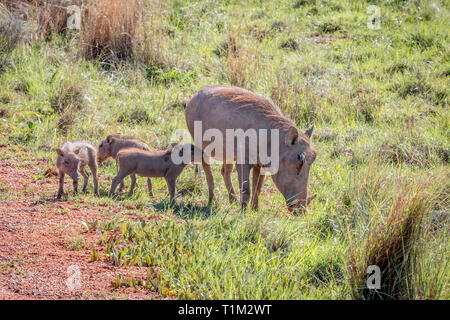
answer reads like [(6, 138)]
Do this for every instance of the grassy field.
[(376, 88)]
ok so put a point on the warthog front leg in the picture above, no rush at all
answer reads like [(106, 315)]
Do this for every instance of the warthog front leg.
[(197, 171), (61, 185), (85, 179), (257, 183), (150, 188), (115, 182), (133, 184), (209, 180), (122, 185), (226, 173), (75, 186), (243, 171), (171, 185)]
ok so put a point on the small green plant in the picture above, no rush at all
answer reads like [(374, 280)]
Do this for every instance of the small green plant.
[(94, 255), (75, 243)]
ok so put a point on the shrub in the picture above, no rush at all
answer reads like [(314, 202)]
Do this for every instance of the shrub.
[(300, 3), (161, 75), (134, 116), (290, 44), (421, 40), (69, 103), (11, 32), (329, 27), (413, 87), (70, 96), (50, 16), (365, 105), (413, 150)]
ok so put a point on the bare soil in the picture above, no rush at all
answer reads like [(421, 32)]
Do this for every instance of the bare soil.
[(36, 261)]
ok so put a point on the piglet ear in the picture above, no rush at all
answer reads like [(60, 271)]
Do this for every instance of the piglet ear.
[(59, 152), (110, 139)]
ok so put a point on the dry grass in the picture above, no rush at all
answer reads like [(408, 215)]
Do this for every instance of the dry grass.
[(389, 237), (151, 36), (242, 61), (51, 17), (115, 30), (109, 28)]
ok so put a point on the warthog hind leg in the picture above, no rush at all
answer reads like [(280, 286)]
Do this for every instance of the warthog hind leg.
[(133, 184), (85, 179), (257, 182), (226, 173), (150, 188), (75, 187), (61, 185)]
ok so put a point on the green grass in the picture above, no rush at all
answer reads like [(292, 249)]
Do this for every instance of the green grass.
[(379, 101)]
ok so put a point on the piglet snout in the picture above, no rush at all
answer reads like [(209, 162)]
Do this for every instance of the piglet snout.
[(75, 176)]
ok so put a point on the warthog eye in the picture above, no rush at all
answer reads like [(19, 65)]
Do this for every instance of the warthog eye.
[(301, 159)]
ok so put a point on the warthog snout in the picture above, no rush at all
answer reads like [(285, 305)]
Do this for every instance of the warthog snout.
[(101, 159), (298, 205)]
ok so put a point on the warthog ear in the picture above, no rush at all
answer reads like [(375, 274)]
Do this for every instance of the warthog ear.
[(59, 152), (110, 139), (309, 131), (292, 136)]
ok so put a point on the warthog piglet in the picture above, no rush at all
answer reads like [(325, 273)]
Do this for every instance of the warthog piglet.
[(72, 159), (167, 164)]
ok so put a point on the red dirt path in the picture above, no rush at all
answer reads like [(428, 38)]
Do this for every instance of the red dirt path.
[(34, 230)]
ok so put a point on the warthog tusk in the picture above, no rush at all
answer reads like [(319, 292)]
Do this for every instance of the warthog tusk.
[(311, 198)]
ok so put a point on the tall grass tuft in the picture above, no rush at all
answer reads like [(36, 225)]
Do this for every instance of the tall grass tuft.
[(109, 28), (387, 235), (242, 61), (296, 100), (150, 38), (69, 102)]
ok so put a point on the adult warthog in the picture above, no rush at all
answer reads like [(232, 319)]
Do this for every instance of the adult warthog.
[(225, 108)]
